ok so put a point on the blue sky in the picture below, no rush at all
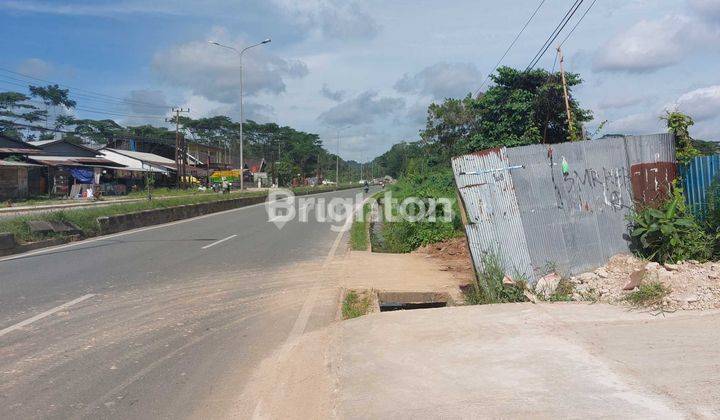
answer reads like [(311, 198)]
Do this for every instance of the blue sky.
[(368, 67)]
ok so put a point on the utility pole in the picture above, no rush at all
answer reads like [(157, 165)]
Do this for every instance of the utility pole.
[(337, 162), (567, 98), (179, 148)]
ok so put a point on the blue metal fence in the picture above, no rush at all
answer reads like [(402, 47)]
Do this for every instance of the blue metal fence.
[(697, 177)]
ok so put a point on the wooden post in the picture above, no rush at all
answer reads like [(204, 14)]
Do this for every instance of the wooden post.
[(567, 98)]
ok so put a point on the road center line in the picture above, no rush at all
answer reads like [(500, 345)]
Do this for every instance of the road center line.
[(219, 242), (44, 314)]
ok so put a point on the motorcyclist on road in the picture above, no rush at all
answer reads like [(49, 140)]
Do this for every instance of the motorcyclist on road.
[(367, 187)]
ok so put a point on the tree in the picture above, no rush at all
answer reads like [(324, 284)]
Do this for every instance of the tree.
[(52, 96), (520, 108), (14, 108)]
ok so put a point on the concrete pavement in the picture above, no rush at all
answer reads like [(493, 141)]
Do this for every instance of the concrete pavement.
[(178, 317), (528, 361)]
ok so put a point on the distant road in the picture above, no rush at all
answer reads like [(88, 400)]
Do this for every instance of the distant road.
[(158, 322)]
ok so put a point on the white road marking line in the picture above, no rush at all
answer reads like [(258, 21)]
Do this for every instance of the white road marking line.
[(219, 242), (45, 314), (309, 304), (139, 230)]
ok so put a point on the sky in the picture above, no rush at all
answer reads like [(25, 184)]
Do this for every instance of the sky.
[(364, 69)]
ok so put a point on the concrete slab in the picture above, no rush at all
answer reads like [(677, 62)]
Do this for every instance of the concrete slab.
[(524, 360)]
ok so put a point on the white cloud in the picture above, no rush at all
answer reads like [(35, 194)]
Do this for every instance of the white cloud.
[(641, 123), (35, 67), (701, 104), (442, 80), (214, 72), (619, 101), (645, 47), (650, 45), (362, 109), (334, 19), (334, 95), (706, 8)]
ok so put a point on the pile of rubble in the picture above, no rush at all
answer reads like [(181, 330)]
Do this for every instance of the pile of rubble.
[(692, 285)]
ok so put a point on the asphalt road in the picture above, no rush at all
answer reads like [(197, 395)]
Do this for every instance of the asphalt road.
[(160, 322)]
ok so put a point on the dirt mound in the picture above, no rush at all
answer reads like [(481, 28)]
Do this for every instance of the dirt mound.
[(453, 256), (692, 285)]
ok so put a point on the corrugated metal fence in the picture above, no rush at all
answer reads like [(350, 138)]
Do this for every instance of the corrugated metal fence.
[(522, 205), (698, 176)]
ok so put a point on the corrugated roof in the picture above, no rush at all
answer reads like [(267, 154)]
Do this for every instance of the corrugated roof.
[(75, 161), (146, 157), (12, 163), (132, 164)]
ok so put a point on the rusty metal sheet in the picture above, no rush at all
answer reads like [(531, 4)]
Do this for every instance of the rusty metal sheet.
[(652, 182), (485, 184)]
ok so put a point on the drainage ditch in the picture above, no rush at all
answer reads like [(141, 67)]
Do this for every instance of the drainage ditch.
[(399, 301)]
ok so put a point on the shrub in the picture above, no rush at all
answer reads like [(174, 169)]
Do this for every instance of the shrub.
[(668, 232), (405, 236), (489, 286)]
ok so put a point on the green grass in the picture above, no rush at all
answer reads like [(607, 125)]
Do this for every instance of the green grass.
[(86, 218), (489, 287), (648, 295), (563, 292), (354, 306), (359, 231)]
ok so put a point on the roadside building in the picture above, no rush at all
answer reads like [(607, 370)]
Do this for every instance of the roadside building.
[(18, 178), (200, 159), (256, 172), (73, 169), (138, 166)]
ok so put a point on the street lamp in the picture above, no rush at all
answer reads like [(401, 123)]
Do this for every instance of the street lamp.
[(240, 54)]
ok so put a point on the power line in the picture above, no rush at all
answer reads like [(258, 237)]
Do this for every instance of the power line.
[(95, 110), (578, 23), (555, 33), (90, 92), (14, 80), (512, 44)]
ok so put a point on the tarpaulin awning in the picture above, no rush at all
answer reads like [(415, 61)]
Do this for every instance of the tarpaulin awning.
[(83, 175)]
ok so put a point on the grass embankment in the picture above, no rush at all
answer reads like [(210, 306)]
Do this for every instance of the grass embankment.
[(86, 218), (359, 231), (406, 236)]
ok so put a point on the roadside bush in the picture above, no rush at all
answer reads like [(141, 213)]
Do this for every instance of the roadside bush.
[(405, 236), (668, 232), (489, 286)]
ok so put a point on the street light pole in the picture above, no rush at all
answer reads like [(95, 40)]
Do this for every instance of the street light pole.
[(240, 54)]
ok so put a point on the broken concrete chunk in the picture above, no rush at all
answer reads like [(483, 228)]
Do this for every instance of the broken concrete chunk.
[(546, 285), (671, 267), (652, 266), (508, 281), (39, 226), (636, 279), (602, 273), (586, 277)]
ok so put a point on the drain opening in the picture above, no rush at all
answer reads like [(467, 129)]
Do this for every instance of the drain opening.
[(399, 306), (404, 301)]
